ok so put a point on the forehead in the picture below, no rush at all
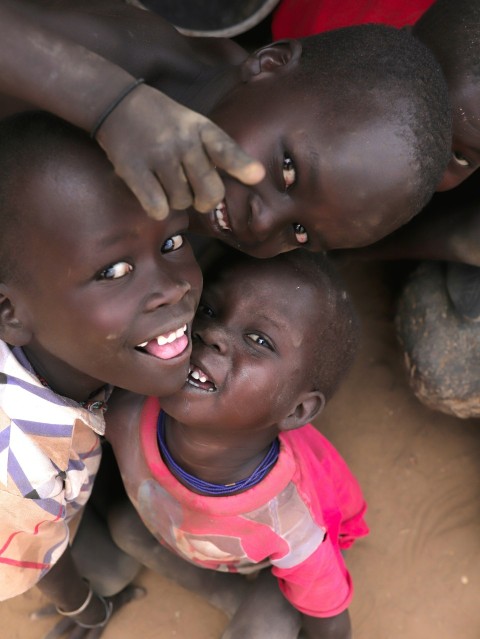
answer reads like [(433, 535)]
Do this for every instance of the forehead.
[(269, 288), (75, 194), (353, 178)]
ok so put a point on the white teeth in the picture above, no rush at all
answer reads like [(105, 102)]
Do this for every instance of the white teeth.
[(198, 374), (167, 339), (181, 331), (221, 216)]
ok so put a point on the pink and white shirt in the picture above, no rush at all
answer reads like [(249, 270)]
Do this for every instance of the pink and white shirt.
[(296, 520)]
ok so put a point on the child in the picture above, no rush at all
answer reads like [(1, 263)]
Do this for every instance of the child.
[(353, 125), (92, 292), (440, 306), (225, 472), (40, 68)]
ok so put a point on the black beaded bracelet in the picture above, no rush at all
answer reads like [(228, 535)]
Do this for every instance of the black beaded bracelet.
[(113, 105)]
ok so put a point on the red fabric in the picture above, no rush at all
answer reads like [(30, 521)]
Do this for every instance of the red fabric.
[(298, 18)]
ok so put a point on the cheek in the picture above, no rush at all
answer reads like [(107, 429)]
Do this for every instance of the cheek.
[(89, 319)]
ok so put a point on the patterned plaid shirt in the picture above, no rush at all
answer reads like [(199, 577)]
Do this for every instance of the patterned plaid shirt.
[(49, 456)]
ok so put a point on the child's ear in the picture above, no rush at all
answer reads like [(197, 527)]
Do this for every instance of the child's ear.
[(308, 407), (13, 330), (271, 58)]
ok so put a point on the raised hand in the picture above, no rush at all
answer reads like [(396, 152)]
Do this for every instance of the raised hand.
[(169, 155)]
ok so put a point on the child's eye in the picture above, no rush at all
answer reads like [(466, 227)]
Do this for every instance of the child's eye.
[(173, 243), (460, 159), (301, 234), (288, 171), (115, 271), (261, 341), (204, 309)]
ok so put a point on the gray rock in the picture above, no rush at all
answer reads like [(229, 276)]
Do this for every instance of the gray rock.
[(442, 349)]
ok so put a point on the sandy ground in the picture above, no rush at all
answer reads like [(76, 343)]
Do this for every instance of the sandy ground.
[(418, 574)]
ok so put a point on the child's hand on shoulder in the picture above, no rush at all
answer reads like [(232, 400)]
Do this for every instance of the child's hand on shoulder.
[(169, 155)]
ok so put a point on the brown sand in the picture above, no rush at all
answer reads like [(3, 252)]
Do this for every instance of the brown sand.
[(418, 574)]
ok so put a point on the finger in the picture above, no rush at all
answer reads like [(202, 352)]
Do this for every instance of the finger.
[(227, 155), (205, 182), (60, 628), (149, 192), (175, 184), (47, 611)]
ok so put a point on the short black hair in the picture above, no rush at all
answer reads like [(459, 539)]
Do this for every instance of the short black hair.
[(335, 338), (27, 141), (451, 29), (389, 72)]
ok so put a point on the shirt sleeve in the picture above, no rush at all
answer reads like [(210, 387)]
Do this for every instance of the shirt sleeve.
[(34, 529), (321, 585), (33, 535)]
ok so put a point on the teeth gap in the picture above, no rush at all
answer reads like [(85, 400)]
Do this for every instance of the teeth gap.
[(197, 378)]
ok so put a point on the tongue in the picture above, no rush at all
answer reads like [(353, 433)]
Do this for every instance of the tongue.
[(167, 351)]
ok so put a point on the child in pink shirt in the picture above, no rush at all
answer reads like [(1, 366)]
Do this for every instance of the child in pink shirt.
[(227, 472)]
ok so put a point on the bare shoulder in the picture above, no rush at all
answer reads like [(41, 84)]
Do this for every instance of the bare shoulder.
[(123, 414)]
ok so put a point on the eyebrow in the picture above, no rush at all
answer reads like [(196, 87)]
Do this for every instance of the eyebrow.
[(108, 240), (281, 327)]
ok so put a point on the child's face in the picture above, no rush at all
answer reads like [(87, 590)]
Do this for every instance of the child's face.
[(252, 349), (465, 96), (100, 282), (330, 183)]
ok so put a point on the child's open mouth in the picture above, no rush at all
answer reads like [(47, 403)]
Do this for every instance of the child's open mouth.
[(167, 345), (196, 377), (221, 217)]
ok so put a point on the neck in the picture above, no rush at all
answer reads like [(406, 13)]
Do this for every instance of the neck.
[(61, 378), (213, 457)]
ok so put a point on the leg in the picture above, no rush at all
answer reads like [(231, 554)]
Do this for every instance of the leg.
[(108, 569), (264, 612), (99, 559), (222, 590), (256, 607)]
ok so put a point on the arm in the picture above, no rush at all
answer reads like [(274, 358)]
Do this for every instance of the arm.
[(166, 153), (337, 627)]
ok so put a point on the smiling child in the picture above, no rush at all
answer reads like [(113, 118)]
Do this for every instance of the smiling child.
[(352, 126), (226, 472), (93, 293)]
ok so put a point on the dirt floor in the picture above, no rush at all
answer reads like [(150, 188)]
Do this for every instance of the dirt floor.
[(418, 574)]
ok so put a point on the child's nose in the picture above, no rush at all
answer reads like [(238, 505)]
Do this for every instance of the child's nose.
[(211, 336), (261, 219), (267, 216), (167, 289)]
